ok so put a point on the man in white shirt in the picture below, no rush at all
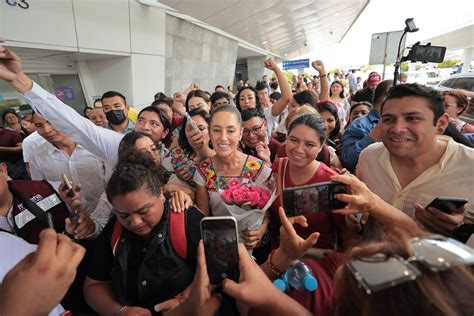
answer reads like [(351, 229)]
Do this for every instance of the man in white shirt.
[(414, 165), (30, 144), (61, 155)]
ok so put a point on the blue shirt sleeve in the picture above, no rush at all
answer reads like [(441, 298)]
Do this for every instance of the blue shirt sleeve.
[(355, 139)]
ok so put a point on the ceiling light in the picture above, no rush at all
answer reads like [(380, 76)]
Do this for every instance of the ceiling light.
[(264, 42), (337, 14)]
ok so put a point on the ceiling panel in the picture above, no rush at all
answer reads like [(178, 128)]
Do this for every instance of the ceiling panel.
[(284, 26)]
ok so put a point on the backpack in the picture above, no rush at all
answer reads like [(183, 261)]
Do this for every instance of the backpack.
[(177, 231)]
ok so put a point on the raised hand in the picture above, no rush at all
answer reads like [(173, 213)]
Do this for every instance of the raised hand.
[(10, 63), (319, 66)]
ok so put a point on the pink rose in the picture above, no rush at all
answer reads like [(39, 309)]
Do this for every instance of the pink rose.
[(226, 196), (233, 184), (264, 197), (253, 198), (239, 196)]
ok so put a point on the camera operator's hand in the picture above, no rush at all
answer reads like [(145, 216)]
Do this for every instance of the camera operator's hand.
[(255, 289), (39, 281), (11, 71), (437, 221), (292, 246), (200, 301)]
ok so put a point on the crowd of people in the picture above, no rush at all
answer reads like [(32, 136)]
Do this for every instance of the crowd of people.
[(100, 213)]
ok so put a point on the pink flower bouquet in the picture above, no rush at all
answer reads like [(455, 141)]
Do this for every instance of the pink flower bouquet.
[(248, 202)]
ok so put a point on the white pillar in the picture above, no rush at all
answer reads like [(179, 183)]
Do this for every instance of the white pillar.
[(467, 57)]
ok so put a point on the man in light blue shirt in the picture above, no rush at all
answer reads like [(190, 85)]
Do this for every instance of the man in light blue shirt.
[(364, 130)]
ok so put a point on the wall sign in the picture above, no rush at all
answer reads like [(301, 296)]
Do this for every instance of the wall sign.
[(21, 3)]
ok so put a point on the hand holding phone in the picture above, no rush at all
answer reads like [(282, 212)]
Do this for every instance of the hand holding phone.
[(447, 205), (191, 122), (219, 234), (73, 215)]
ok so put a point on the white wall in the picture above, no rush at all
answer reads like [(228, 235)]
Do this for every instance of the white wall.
[(128, 36)]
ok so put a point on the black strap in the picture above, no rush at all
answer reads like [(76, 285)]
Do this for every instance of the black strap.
[(45, 217)]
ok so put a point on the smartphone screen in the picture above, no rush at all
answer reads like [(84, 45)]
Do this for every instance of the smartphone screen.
[(219, 234), (319, 197), (447, 204)]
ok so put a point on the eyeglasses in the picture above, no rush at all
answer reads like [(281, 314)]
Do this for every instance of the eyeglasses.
[(254, 130), (437, 253)]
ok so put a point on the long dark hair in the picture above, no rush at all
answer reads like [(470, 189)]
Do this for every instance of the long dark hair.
[(237, 97), (198, 94), (164, 120), (183, 140), (313, 121), (331, 108), (341, 94)]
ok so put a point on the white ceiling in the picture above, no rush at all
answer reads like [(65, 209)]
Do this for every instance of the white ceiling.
[(284, 26)]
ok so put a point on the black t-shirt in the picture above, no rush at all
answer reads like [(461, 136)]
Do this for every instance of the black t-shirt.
[(102, 259)]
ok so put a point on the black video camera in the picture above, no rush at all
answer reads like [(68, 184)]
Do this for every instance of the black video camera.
[(426, 53)]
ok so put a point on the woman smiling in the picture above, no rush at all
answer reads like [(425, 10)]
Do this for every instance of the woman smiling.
[(228, 164)]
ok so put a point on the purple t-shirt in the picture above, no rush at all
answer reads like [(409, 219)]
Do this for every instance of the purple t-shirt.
[(9, 138)]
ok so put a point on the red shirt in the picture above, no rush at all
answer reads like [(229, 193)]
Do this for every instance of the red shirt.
[(323, 222)]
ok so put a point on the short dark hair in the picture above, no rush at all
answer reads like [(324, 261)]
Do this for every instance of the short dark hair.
[(11, 111), (219, 95), (274, 85), (182, 139), (434, 98), (247, 114), (128, 141), (304, 97), (111, 94), (237, 97), (331, 108), (137, 170), (218, 86), (381, 91), (198, 94), (313, 121), (95, 101), (261, 85)]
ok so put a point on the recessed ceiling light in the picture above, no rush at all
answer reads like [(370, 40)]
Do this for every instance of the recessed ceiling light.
[(337, 14), (285, 55), (264, 42)]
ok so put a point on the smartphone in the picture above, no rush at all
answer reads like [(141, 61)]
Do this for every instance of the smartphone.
[(220, 237), (68, 185), (190, 120), (73, 215), (447, 204), (313, 198)]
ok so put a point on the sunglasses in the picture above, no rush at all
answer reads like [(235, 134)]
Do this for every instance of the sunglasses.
[(437, 253)]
